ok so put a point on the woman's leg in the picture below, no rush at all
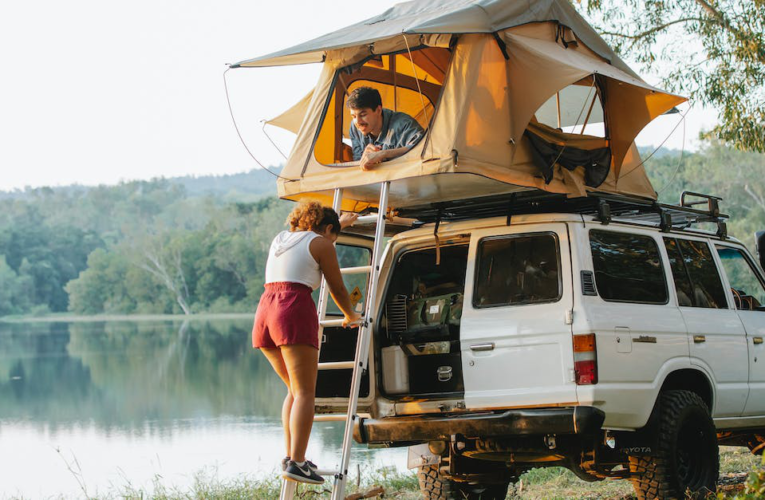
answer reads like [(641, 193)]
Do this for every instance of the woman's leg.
[(274, 356), (302, 363)]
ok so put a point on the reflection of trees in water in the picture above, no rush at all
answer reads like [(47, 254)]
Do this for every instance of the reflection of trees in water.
[(38, 379), (123, 373)]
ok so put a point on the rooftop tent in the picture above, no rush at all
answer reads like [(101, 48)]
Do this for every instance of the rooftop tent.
[(506, 90)]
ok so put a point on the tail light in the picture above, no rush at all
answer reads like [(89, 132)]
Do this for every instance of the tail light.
[(585, 359)]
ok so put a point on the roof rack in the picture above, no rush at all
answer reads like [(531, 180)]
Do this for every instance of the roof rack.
[(605, 207)]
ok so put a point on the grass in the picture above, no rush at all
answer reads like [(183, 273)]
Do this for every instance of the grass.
[(537, 484)]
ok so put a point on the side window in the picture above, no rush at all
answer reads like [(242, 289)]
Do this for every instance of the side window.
[(517, 270), (695, 274), (680, 274), (350, 256), (628, 268), (747, 288)]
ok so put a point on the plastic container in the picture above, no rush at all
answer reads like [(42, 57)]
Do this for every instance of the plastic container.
[(395, 370)]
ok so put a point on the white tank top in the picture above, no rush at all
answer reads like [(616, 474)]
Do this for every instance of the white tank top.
[(290, 260)]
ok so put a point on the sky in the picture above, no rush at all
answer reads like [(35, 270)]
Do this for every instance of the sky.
[(98, 92)]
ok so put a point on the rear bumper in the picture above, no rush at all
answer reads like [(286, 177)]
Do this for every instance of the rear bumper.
[(523, 422)]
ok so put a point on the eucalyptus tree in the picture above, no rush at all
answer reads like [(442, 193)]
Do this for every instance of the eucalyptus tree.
[(711, 50)]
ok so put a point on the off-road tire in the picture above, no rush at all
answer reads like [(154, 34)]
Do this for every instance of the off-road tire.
[(687, 455), (434, 486)]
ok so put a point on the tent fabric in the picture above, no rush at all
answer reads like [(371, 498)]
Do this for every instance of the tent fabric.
[(483, 90), (293, 117), (596, 162), (438, 17)]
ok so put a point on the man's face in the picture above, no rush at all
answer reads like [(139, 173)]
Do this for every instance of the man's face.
[(368, 120)]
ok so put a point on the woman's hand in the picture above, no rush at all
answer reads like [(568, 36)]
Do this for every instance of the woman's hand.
[(350, 320), (347, 219)]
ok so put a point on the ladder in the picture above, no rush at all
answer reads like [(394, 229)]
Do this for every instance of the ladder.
[(361, 359)]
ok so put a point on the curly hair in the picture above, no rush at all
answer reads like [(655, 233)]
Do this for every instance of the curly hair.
[(311, 215)]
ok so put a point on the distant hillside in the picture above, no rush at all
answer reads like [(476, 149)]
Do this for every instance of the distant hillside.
[(231, 186), (245, 186), (662, 152)]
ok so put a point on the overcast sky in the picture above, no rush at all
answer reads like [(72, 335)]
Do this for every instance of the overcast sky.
[(97, 91)]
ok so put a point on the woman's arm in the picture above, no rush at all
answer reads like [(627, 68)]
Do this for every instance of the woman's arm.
[(324, 252)]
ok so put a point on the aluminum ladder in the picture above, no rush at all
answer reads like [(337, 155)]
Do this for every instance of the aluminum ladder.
[(364, 335)]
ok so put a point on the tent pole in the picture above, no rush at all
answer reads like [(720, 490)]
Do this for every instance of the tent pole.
[(395, 86), (589, 112), (557, 104)]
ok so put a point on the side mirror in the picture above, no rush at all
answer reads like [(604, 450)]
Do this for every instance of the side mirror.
[(759, 239)]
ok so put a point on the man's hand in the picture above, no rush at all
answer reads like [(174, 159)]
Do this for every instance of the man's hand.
[(372, 156), (347, 219)]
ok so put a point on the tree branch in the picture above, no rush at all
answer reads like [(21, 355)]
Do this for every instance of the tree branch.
[(757, 198), (655, 29)]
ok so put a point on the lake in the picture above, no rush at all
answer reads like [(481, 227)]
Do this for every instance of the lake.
[(96, 406)]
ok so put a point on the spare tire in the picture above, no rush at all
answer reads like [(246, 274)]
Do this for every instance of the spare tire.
[(687, 455)]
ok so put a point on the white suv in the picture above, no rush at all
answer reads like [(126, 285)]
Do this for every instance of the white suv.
[(609, 341)]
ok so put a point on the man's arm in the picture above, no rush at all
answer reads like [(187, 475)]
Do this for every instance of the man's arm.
[(373, 157), (356, 143)]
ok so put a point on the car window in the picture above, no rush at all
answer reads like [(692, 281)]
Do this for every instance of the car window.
[(680, 276), (701, 286), (628, 267), (747, 288), (515, 270)]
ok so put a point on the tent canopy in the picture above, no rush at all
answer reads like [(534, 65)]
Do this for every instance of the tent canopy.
[(506, 90), (439, 17)]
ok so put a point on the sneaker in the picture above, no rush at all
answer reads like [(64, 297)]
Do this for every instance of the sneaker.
[(304, 474), (286, 460)]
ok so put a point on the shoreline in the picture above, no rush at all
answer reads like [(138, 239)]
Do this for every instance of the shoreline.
[(79, 318)]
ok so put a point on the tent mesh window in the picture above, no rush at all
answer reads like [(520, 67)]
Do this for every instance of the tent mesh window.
[(411, 85)]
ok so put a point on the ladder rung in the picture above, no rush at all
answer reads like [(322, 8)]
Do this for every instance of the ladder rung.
[(337, 365), (366, 219), (337, 322), (356, 270), (336, 417), (397, 221), (327, 472), (331, 322)]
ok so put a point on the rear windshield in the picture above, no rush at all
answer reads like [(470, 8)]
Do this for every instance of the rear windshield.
[(514, 270)]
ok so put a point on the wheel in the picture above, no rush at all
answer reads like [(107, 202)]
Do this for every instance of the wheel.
[(434, 486), (687, 457)]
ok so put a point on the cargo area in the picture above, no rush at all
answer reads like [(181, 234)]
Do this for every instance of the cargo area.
[(418, 338)]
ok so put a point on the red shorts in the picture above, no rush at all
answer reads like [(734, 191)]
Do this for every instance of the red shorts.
[(286, 315)]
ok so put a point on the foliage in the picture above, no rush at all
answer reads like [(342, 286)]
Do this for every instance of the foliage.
[(148, 247), (720, 48), (735, 176)]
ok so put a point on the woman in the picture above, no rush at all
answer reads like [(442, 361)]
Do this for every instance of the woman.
[(286, 325)]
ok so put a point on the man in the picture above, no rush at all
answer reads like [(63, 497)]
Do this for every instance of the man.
[(379, 134)]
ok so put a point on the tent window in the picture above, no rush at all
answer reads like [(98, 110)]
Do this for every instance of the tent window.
[(575, 109), (394, 77)]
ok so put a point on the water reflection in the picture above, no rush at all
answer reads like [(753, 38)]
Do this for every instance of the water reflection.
[(178, 396)]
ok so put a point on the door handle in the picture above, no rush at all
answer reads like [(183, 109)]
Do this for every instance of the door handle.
[(698, 339), (757, 340), (488, 346)]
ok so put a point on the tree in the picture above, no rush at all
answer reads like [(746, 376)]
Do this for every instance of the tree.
[(162, 257), (714, 50)]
